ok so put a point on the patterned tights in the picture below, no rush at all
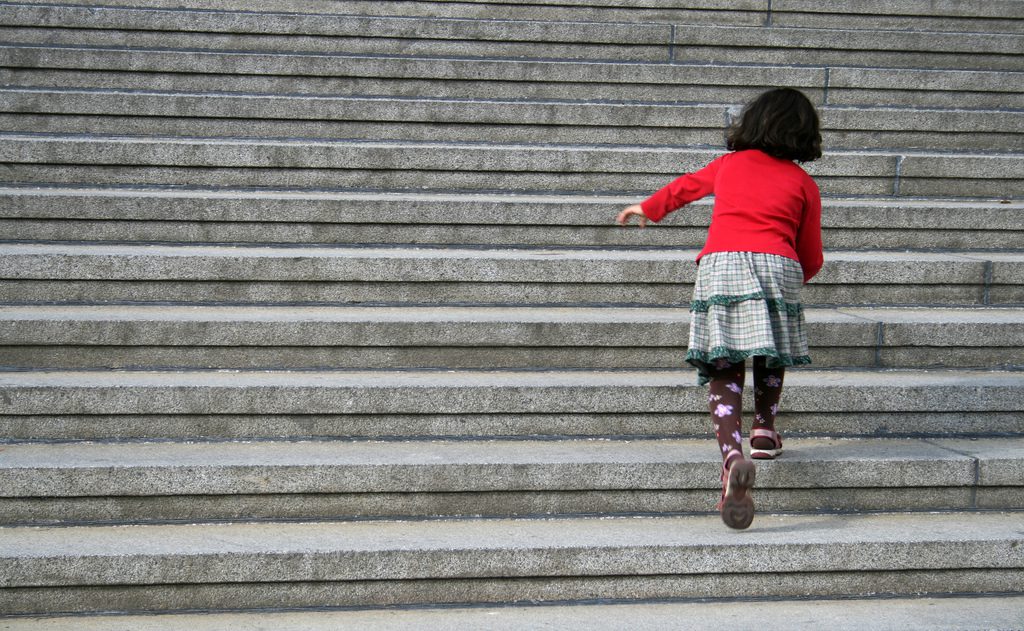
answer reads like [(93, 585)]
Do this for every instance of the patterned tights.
[(725, 400)]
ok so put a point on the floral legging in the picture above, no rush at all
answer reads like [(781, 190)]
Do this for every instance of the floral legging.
[(725, 400)]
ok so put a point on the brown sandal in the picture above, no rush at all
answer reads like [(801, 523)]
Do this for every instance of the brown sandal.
[(736, 505)]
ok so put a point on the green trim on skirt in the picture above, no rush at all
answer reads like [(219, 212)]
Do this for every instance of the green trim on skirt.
[(747, 304)]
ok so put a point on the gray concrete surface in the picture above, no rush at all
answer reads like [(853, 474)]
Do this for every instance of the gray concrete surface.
[(497, 121), (74, 159), (965, 459), (446, 466), (267, 216), (211, 29), (557, 547), (453, 392), (908, 614), (737, 44)]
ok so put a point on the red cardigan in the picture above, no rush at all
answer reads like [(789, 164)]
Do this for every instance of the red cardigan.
[(762, 204)]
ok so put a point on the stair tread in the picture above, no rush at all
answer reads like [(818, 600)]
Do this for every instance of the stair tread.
[(469, 391), (183, 468), (460, 326), (380, 550), (576, 269)]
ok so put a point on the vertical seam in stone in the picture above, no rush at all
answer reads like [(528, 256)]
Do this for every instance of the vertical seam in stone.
[(975, 464), (671, 43), (977, 482), (824, 92), (879, 342), (768, 16), (986, 293), (899, 175)]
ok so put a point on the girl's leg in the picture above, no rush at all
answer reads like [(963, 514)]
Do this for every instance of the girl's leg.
[(767, 393), (725, 401)]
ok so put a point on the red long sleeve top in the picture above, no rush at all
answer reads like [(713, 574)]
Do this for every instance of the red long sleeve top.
[(762, 204)]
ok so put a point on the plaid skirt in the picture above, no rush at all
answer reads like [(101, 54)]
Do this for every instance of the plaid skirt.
[(747, 304)]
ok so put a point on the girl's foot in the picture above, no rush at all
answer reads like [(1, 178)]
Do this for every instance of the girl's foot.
[(765, 444), (736, 505)]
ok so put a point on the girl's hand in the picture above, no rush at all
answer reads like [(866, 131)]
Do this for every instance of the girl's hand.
[(625, 215)]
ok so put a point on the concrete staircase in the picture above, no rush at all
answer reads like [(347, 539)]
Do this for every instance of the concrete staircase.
[(320, 305)]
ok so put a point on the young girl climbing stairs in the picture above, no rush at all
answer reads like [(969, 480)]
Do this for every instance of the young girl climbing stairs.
[(763, 244)]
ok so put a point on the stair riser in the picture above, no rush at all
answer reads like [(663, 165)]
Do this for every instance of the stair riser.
[(55, 273), (654, 42), (823, 55), (514, 181), (386, 565), (112, 509), (858, 86), (76, 470), (497, 122), (69, 344), (289, 164), (639, 422), (962, 16), (712, 135), (71, 482), (1000, 393), (483, 79), (494, 293), (277, 217), (73, 357), (673, 233), (353, 44), (495, 590)]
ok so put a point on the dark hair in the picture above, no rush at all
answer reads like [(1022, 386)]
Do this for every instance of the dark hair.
[(782, 123)]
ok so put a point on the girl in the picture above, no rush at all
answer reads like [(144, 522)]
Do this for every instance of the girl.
[(764, 242)]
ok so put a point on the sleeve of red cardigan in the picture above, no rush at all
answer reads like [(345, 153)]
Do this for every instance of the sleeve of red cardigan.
[(808, 239), (681, 191)]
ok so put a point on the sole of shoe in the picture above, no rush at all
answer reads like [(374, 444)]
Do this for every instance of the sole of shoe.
[(737, 505)]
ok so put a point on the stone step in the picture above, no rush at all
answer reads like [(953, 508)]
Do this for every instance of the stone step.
[(188, 482), (852, 47), (390, 35), (914, 613), (99, 405), (303, 163), (602, 461), (92, 273), (293, 73), (310, 217), (982, 16), (186, 337), (373, 563), (752, 12), (334, 33), (218, 114), (904, 15)]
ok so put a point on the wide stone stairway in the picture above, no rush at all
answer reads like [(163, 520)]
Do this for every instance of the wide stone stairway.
[(316, 309)]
